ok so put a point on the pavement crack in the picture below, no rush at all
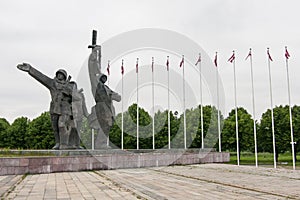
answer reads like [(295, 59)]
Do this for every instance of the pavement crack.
[(138, 196), (13, 187)]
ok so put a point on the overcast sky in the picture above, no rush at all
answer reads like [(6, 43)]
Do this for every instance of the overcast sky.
[(55, 34)]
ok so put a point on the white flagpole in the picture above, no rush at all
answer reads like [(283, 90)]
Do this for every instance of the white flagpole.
[(93, 139), (236, 113), (122, 128), (108, 77), (184, 115), (219, 125), (253, 106), (290, 109), (272, 114), (137, 105), (153, 132), (201, 102), (169, 122)]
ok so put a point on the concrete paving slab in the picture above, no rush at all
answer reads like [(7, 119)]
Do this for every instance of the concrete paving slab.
[(205, 181)]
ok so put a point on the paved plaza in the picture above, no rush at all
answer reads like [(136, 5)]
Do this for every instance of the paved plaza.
[(206, 181)]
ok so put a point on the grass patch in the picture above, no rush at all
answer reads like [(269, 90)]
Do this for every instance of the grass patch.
[(21, 153), (248, 158)]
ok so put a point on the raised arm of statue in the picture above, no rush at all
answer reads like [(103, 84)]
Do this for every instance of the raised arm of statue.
[(43, 79), (115, 96), (94, 65)]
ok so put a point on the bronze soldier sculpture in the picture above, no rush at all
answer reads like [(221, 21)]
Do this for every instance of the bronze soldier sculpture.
[(103, 95), (79, 110), (105, 110), (60, 106)]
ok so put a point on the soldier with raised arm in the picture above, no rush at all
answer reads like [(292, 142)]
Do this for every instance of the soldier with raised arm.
[(105, 110), (60, 106)]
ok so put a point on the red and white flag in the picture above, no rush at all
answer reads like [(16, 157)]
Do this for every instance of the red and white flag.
[(167, 64), (249, 54), (152, 65), (232, 58), (287, 55), (181, 62), (122, 68), (137, 66), (216, 60), (108, 68), (269, 56), (199, 60)]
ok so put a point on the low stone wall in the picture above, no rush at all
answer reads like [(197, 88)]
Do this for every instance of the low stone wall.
[(106, 160)]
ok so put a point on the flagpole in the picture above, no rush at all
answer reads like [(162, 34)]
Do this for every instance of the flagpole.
[(108, 77), (219, 126), (184, 114), (153, 132), (93, 139), (290, 109), (236, 112), (122, 128), (137, 105), (253, 106), (272, 114), (201, 106), (169, 123)]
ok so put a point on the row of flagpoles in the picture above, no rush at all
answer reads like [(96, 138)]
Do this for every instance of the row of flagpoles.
[(198, 63), (287, 56)]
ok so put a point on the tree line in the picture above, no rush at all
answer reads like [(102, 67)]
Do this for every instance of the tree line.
[(37, 133)]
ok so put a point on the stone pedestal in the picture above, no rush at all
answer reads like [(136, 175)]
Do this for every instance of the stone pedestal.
[(48, 161)]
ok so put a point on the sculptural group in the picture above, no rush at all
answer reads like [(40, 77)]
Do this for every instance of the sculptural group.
[(68, 107)]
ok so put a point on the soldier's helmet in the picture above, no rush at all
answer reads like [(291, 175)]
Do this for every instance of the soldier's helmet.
[(63, 72), (101, 78)]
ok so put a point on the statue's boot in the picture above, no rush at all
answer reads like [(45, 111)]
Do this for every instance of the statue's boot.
[(64, 138), (56, 136), (56, 147)]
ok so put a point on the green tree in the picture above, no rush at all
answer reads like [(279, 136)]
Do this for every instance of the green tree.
[(161, 130), (245, 127), (145, 129), (210, 126), (4, 125), (282, 130), (39, 134), (130, 132), (296, 127), (16, 133)]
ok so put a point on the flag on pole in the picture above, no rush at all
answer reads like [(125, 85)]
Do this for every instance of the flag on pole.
[(272, 114), (122, 68), (167, 64), (249, 54), (152, 64), (181, 62), (216, 60), (108, 68), (270, 58), (122, 125), (232, 58), (287, 55), (137, 66), (199, 60)]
